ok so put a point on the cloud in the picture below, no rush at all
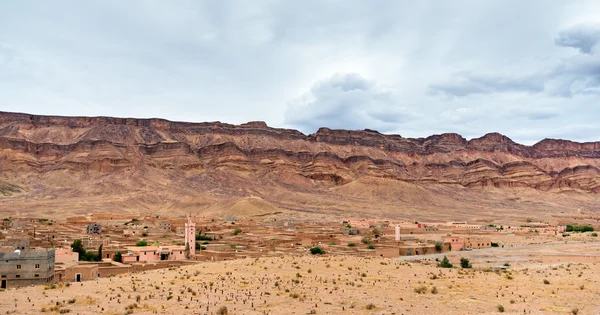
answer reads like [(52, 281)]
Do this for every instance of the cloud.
[(346, 101), (413, 68), (467, 83), (582, 37), (579, 74)]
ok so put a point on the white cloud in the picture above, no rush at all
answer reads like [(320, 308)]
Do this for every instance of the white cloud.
[(415, 68)]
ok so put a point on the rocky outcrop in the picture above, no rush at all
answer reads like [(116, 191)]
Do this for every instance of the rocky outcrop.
[(32, 144)]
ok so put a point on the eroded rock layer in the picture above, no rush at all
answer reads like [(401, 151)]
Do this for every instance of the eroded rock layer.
[(45, 153)]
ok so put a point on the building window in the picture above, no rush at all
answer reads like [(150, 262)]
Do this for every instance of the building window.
[(18, 266), (18, 276), (37, 266), (3, 276), (37, 276)]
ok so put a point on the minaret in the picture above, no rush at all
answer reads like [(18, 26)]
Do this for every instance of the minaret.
[(397, 233), (190, 236)]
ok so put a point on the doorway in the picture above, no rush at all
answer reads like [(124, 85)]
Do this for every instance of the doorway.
[(3, 285), (78, 277)]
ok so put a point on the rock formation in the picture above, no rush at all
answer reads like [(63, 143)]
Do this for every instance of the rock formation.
[(54, 157)]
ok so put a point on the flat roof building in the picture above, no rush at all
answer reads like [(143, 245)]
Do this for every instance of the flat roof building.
[(25, 267)]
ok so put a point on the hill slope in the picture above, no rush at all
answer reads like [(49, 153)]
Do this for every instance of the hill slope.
[(63, 165)]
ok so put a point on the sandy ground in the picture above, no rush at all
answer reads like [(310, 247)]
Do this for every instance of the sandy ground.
[(323, 285)]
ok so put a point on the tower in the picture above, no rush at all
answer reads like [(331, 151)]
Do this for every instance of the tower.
[(190, 236), (397, 233)]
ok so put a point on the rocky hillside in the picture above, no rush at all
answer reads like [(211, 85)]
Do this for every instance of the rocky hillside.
[(105, 163)]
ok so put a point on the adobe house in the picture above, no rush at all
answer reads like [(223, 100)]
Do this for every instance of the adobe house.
[(153, 253), (456, 243), (477, 243), (76, 272), (65, 255), (25, 267), (21, 244)]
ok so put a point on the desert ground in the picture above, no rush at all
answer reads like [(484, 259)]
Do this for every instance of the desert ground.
[(338, 284)]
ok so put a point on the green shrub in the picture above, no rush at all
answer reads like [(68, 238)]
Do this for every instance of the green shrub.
[(118, 257), (578, 228), (141, 243), (237, 231), (371, 246), (464, 262), (439, 246), (317, 251), (500, 308), (595, 234), (445, 263), (200, 237), (366, 240), (351, 245)]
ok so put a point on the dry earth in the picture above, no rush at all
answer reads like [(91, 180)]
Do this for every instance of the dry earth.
[(323, 285)]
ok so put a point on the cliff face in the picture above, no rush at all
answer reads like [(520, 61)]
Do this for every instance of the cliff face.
[(213, 156)]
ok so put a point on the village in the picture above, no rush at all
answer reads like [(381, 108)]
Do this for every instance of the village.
[(39, 251)]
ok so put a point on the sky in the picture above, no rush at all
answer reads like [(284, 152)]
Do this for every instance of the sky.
[(527, 69)]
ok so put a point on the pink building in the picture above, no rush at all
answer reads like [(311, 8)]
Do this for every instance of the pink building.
[(65, 255), (456, 243), (154, 253)]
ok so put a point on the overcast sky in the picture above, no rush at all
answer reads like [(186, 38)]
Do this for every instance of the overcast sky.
[(527, 69)]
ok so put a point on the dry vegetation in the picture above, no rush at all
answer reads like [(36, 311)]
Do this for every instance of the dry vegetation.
[(321, 285)]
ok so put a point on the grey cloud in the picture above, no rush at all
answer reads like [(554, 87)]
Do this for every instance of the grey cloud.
[(345, 101), (582, 37), (579, 74), (467, 83), (470, 66)]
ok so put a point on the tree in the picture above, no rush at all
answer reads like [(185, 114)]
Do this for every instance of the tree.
[(77, 247), (142, 243), (100, 252), (445, 263), (237, 231), (118, 257), (317, 251), (376, 231), (187, 250), (439, 246), (464, 262)]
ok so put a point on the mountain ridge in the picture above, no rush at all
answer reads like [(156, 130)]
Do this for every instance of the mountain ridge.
[(59, 156)]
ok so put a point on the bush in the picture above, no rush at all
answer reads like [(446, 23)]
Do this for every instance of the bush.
[(317, 251), (366, 240), (370, 306), (500, 308), (595, 234), (464, 262), (577, 228), (546, 281), (351, 245), (434, 290), (439, 246), (141, 243), (420, 290), (445, 263), (371, 246), (237, 231), (200, 237), (118, 257), (223, 310)]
